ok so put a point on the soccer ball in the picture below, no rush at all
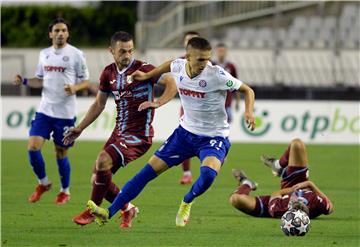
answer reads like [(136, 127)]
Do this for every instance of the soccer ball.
[(295, 222)]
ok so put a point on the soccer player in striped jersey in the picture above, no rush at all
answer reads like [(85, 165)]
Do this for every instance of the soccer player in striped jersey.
[(133, 132)]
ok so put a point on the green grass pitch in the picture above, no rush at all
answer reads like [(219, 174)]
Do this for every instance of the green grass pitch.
[(214, 222)]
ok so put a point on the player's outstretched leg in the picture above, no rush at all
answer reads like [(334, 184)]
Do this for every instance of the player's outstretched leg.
[(101, 214)]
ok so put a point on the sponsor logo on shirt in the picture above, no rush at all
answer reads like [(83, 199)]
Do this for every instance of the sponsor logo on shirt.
[(188, 92), (49, 68), (222, 72), (65, 58), (229, 83), (181, 78), (112, 82)]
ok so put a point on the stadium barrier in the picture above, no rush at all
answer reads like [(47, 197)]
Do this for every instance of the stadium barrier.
[(325, 122)]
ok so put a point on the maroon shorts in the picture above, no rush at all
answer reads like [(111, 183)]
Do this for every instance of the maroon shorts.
[(293, 175), (126, 148), (261, 207)]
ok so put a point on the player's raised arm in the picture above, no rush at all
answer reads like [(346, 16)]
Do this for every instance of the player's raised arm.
[(169, 93), (249, 105), (94, 111), (313, 187), (158, 71), (31, 82)]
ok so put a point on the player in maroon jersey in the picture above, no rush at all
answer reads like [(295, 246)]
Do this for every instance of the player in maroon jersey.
[(296, 189), (221, 60), (133, 132)]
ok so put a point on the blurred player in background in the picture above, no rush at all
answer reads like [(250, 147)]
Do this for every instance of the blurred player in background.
[(203, 130), (296, 189), (61, 72), (133, 132), (187, 176), (221, 60)]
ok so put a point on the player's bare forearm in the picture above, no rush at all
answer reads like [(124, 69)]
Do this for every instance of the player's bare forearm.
[(158, 71), (35, 82), (30, 82), (94, 111), (281, 192), (85, 84), (169, 92), (249, 105)]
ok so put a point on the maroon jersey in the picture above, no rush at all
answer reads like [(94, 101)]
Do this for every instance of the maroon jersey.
[(316, 204), (128, 97), (229, 67)]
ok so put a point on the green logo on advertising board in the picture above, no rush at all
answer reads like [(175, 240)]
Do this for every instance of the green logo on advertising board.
[(261, 127)]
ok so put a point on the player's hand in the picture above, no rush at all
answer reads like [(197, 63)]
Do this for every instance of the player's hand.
[(69, 89), (148, 104), (250, 121), (139, 76), (17, 80), (71, 135)]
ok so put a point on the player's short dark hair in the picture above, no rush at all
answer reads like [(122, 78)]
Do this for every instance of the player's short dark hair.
[(219, 45), (56, 21), (199, 43), (120, 36)]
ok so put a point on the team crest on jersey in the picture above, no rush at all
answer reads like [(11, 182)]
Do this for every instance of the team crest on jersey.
[(202, 83), (65, 58)]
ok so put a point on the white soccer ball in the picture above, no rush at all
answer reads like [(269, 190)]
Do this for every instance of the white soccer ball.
[(295, 222)]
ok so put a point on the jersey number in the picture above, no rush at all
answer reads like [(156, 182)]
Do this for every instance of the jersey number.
[(216, 144)]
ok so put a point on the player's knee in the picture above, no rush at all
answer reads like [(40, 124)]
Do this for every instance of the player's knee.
[(297, 145), (103, 162), (61, 152), (34, 146), (236, 200)]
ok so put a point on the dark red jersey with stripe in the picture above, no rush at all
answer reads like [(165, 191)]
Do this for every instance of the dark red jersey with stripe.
[(128, 97), (316, 204)]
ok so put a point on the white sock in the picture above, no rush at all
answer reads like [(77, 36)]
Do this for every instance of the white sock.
[(66, 190), (187, 173), (246, 181), (44, 181), (277, 165)]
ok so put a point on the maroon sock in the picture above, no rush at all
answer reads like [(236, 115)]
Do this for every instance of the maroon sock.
[(112, 192), (100, 186), (243, 189), (284, 160), (186, 165)]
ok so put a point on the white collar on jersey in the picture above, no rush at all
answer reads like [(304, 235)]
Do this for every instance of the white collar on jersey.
[(124, 69), (57, 51)]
